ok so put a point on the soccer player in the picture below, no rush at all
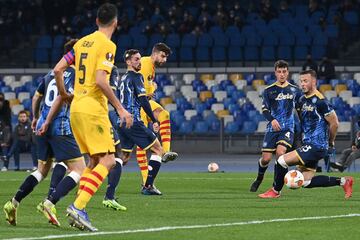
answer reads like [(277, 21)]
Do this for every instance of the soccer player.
[(158, 57), (279, 101), (58, 142), (93, 57), (132, 95), (319, 127)]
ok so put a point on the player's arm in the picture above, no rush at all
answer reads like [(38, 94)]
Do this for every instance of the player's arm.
[(330, 116), (59, 70), (55, 108), (333, 122), (267, 113), (35, 105), (103, 84)]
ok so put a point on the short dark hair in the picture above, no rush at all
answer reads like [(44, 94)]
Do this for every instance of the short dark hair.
[(158, 47), (106, 13), (23, 112), (129, 53), (310, 71), (69, 45), (281, 64)]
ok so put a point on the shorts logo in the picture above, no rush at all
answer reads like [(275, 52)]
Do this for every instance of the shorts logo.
[(109, 56), (100, 129)]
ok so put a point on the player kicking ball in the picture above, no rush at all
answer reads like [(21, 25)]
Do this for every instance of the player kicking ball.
[(319, 126), (132, 95)]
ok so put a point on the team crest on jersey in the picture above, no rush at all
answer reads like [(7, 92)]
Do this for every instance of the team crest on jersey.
[(109, 56), (99, 129), (307, 108), (282, 96)]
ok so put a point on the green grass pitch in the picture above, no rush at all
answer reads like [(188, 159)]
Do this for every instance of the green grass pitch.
[(193, 203)]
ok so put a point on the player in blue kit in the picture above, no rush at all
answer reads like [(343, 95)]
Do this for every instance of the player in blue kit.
[(58, 142), (279, 101), (132, 95), (319, 126)]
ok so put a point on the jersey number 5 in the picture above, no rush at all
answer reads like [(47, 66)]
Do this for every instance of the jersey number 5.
[(82, 67)]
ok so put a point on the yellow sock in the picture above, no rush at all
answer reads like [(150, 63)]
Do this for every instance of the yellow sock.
[(165, 130), (93, 182), (142, 162), (81, 182)]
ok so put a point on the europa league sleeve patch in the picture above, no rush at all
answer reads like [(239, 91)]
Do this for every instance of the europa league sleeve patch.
[(109, 56)]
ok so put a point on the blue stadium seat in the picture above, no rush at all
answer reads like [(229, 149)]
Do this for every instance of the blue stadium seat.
[(267, 53), (202, 54), (41, 55), (231, 31), (356, 107), (351, 17), (287, 39), (124, 41), (317, 52), (173, 40), (230, 89), (155, 38), (140, 41), (221, 40), (231, 128), (284, 52), (320, 39), (44, 41), (55, 55), (235, 53), (134, 31), (205, 40), (269, 77), (228, 101), (201, 127), (186, 54), (186, 127), (173, 57), (233, 107), (251, 53), (332, 31), (27, 104), (314, 30), (209, 102), (303, 40), (188, 40), (270, 40), (316, 16), (218, 54), (249, 127), (253, 39), (215, 31), (214, 126), (59, 41), (237, 40), (200, 107), (238, 94), (300, 52)]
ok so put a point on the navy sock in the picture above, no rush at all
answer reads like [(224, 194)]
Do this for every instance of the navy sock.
[(324, 181), (261, 171), (154, 167), (26, 188), (63, 188), (57, 175), (279, 174), (113, 181)]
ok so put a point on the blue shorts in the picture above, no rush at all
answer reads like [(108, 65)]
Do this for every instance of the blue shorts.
[(272, 139), (62, 148), (309, 155), (138, 135), (113, 119)]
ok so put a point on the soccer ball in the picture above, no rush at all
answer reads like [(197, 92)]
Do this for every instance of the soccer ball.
[(213, 167), (294, 179)]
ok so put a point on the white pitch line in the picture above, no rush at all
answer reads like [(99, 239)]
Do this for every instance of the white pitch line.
[(168, 228)]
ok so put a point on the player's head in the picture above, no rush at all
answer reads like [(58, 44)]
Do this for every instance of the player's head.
[(22, 116), (308, 81), (107, 16), (132, 58), (281, 71), (69, 45), (160, 53)]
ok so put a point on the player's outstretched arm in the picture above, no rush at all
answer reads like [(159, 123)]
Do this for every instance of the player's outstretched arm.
[(35, 105), (55, 107), (59, 77), (104, 86)]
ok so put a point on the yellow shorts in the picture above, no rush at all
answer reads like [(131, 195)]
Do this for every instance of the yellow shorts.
[(154, 105), (93, 134)]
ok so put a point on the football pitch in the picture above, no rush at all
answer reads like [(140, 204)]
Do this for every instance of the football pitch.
[(194, 206)]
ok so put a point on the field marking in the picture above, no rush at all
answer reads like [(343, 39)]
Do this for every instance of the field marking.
[(168, 228)]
